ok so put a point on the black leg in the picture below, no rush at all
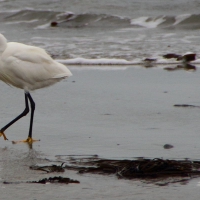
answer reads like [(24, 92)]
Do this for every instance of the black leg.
[(24, 113), (32, 114)]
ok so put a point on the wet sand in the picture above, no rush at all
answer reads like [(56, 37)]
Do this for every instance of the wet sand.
[(113, 113)]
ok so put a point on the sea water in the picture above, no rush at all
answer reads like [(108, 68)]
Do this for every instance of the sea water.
[(104, 32)]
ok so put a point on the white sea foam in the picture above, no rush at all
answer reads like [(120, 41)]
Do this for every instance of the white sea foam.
[(106, 61), (65, 14), (101, 68), (99, 61), (44, 26), (181, 18), (148, 22)]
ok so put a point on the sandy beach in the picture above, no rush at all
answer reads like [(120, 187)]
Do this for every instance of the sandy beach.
[(112, 112)]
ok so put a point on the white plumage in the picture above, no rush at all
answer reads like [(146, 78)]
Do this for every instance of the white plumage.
[(28, 68)]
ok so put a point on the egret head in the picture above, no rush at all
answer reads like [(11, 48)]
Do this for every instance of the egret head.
[(3, 43)]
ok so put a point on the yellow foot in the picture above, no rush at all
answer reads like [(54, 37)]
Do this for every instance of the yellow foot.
[(28, 140), (4, 136)]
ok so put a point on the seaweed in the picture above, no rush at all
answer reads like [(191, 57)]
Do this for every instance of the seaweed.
[(186, 106), (158, 171), (141, 168), (55, 179), (48, 169)]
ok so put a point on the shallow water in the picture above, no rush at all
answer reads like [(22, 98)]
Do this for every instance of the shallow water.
[(112, 113)]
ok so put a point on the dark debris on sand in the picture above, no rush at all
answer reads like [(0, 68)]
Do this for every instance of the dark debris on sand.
[(168, 146), (188, 57), (144, 169), (140, 168), (49, 169), (186, 106), (157, 171), (55, 179)]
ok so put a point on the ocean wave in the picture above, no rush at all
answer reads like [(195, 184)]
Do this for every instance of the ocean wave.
[(148, 22), (42, 18), (29, 15), (180, 21), (47, 18)]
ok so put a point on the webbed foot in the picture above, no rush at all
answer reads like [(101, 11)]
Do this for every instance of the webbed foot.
[(3, 134)]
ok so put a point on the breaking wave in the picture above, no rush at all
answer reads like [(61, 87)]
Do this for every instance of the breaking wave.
[(44, 19)]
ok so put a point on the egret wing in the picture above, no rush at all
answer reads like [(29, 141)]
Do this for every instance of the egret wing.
[(26, 65)]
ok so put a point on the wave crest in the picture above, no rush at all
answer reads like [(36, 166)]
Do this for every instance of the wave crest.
[(72, 20)]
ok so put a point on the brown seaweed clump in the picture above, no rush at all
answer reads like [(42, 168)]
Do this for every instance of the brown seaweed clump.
[(188, 57), (149, 170), (55, 179), (141, 168), (49, 169)]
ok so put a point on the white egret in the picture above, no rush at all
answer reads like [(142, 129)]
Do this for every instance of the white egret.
[(28, 68)]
